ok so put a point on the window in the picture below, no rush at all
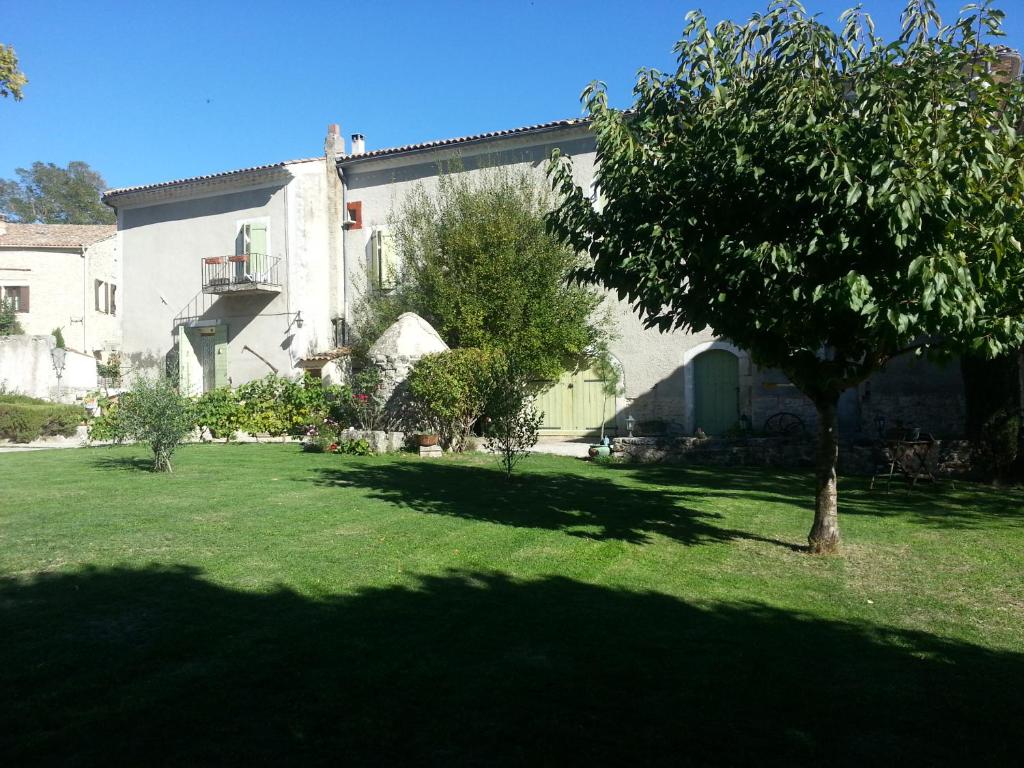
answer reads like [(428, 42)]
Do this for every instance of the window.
[(17, 295), (383, 260), (104, 297)]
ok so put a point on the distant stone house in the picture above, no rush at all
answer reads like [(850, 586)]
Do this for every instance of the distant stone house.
[(65, 276), (237, 274)]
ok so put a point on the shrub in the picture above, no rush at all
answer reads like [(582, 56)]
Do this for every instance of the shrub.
[(276, 406), (450, 390), (58, 338), (110, 370), (219, 411), (154, 412), (24, 422), (513, 423)]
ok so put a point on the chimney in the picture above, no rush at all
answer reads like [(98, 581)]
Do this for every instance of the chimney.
[(3, 225), (1008, 66), (358, 144), (334, 145)]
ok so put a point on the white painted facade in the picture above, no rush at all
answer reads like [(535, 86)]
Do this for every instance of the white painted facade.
[(61, 288), (166, 231)]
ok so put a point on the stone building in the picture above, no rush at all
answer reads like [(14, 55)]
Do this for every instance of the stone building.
[(65, 276), (237, 274)]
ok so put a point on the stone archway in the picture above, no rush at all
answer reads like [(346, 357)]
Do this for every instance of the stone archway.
[(741, 393)]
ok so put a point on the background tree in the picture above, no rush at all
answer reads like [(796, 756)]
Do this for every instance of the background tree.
[(479, 265), (9, 325), (12, 79), (822, 198), (49, 194)]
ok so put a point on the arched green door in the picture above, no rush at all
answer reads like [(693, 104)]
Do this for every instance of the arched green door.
[(716, 380)]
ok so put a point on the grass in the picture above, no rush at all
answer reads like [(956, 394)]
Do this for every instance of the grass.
[(266, 606)]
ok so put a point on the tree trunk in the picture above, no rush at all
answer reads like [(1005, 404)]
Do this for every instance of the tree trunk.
[(824, 536)]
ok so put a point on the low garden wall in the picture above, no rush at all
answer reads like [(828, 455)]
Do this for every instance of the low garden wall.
[(948, 457)]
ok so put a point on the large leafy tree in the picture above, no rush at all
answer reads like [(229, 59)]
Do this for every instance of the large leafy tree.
[(823, 198), (12, 79), (478, 263), (49, 194)]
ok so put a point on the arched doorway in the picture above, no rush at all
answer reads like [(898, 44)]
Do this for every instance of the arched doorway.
[(716, 385)]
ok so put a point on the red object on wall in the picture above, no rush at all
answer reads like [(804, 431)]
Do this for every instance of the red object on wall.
[(355, 214)]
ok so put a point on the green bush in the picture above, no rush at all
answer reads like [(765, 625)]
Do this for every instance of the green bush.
[(220, 411), (276, 406), (154, 412), (22, 399), (24, 422), (450, 390)]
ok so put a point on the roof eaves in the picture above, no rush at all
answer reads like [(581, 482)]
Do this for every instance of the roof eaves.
[(409, 149), (110, 193)]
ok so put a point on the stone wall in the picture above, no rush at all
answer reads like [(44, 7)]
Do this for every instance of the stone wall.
[(26, 367), (946, 458)]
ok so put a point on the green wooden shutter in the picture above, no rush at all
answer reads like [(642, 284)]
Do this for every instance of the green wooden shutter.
[(185, 354), (258, 260), (220, 356)]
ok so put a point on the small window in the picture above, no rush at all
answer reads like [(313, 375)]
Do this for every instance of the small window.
[(104, 297), (18, 296)]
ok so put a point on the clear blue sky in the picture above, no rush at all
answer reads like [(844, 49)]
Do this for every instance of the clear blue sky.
[(148, 91)]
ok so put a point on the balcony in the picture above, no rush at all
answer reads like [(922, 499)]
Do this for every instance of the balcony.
[(248, 273)]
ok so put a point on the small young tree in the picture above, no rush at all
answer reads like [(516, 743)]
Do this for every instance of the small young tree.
[(513, 421), (611, 380), (824, 199), (153, 412)]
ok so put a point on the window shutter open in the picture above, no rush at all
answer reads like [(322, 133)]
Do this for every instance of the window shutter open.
[(22, 299), (113, 299), (384, 265), (257, 248)]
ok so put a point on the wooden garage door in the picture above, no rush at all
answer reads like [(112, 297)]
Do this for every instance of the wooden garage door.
[(716, 378), (573, 404)]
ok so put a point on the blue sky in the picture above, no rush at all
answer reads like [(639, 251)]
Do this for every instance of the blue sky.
[(148, 91)]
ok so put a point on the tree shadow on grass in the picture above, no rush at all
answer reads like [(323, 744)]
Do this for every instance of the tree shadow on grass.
[(124, 463), (942, 504), (585, 506), (158, 666)]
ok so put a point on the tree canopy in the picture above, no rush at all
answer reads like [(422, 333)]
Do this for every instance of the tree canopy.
[(12, 79), (49, 194), (477, 263), (824, 198)]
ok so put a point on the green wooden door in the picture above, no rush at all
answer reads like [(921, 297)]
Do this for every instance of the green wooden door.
[(574, 403), (211, 351), (716, 379)]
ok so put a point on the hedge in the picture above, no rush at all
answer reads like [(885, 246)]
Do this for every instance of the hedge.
[(24, 422)]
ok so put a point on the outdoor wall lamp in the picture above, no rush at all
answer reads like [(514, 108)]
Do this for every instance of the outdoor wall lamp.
[(296, 321), (630, 423)]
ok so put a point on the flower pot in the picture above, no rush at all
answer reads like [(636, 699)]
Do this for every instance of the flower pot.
[(425, 441)]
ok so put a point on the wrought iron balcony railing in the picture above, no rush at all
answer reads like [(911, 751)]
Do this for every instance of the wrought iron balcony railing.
[(246, 273)]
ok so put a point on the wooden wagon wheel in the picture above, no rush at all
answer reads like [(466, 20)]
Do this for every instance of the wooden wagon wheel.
[(784, 423)]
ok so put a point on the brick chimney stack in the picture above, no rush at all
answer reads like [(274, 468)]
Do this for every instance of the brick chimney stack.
[(334, 145), (1008, 67)]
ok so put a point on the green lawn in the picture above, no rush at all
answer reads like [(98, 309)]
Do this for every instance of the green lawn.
[(266, 606)]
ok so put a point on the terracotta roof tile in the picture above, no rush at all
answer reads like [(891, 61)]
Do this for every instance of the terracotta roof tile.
[(174, 182), (54, 235), (464, 139)]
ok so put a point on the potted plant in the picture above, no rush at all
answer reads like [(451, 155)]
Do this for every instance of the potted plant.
[(426, 439)]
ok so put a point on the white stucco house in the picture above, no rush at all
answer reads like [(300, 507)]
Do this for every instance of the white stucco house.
[(65, 276), (236, 274)]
